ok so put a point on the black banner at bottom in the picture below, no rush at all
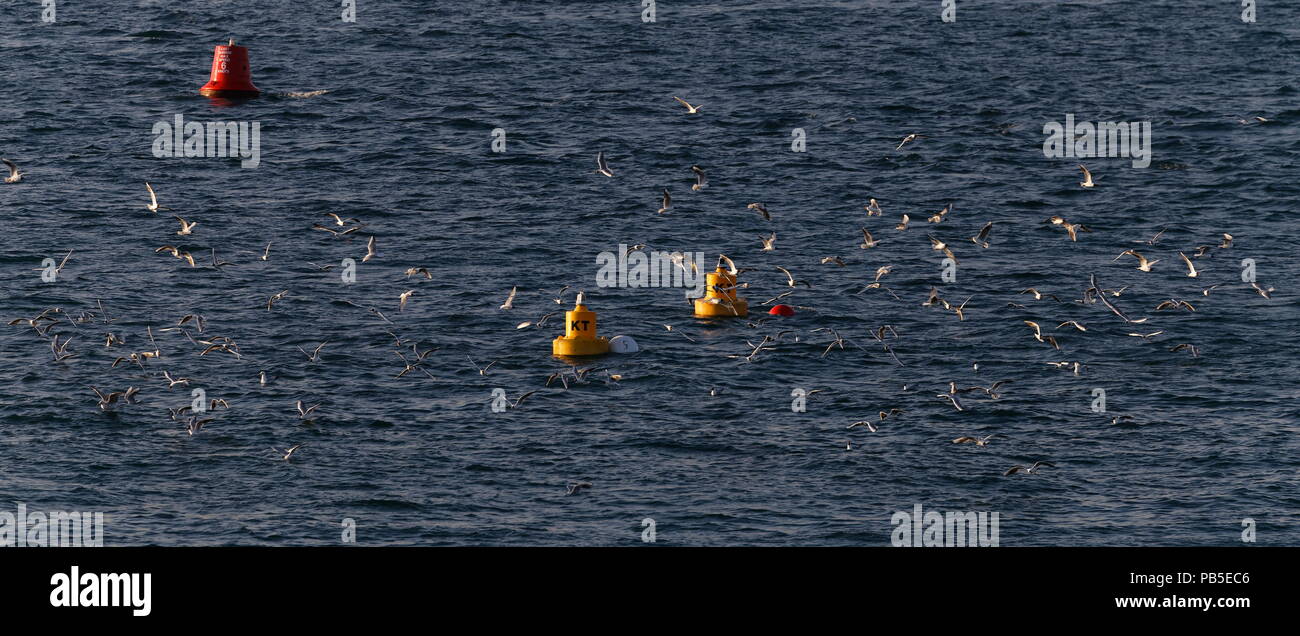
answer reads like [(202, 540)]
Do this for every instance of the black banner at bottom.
[(1083, 584)]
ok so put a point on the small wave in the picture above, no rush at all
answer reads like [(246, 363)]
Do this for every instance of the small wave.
[(157, 35), (302, 94)]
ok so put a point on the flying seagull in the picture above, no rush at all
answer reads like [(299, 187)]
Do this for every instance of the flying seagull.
[(1191, 269), (982, 441), (153, 200), (194, 424), (1038, 335), (909, 138), (481, 370), (510, 300), (700, 180), (272, 299), (1143, 263), (601, 166), (14, 175), (790, 280), (867, 241), (1087, 177), (952, 398), (303, 413), (186, 227), (314, 356), (370, 250), (690, 110), (1028, 471)]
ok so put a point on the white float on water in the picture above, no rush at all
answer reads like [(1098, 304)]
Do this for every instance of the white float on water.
[(623, 344)]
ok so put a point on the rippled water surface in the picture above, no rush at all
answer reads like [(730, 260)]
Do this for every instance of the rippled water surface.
[(703, 442)]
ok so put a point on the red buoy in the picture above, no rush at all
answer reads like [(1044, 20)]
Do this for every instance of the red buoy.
[(230, 76), (781, 310)]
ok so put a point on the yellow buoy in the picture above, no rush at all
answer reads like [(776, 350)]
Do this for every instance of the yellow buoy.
[(720, 297), (579, 337)]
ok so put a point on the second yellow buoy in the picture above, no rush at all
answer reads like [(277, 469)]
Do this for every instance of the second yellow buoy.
[(720, 297)]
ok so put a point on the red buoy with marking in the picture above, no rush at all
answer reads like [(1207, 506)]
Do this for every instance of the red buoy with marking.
[(230, 75), (781, 310)]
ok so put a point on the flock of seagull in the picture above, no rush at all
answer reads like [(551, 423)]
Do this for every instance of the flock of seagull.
[(1092, 294), (195, 416), (413, 359)]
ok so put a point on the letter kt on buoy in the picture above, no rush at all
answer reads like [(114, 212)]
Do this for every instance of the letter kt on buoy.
[(230, 75), (579, 337), (720, 296)]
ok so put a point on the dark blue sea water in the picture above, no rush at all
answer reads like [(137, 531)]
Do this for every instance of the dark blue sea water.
[(402, 141)]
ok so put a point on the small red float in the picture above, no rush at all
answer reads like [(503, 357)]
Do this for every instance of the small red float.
[(781, 310)]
